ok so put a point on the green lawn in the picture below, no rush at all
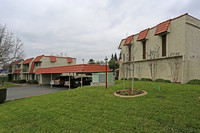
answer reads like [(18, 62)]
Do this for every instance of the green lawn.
[(93, 109), (10, 84)]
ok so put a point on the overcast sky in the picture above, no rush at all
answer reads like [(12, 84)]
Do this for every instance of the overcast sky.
[(85, 29)]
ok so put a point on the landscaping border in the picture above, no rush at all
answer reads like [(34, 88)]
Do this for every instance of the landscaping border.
[(144, 93)]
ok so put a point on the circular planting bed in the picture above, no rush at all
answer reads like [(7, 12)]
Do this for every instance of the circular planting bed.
[(130, 93)]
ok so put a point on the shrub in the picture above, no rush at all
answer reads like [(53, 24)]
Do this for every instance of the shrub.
[(22, 81), (15, 81), (123, 78), (167, 81), (146, 79), (3, 94), (33, 82), (194, 81), (3, 78), (136, 79), (159, 80)]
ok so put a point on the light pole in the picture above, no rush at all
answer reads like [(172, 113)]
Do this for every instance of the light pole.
[(106, 59), (81, 74)]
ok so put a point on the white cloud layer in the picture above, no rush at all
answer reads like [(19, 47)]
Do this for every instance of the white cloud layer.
[(85, 28)]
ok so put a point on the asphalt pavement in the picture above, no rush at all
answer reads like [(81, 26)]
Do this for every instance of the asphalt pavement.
[(30, 90)]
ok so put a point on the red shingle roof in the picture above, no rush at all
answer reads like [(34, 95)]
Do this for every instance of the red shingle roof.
[(69, 59), (52, 58), (128, 40), (35, 60), (38, 58), (17, 71), (162, 27), (74, 69), (28, 60), (142, 35), (17, 62)]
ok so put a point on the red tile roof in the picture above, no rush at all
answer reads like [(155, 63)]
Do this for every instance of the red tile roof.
[(162, 27), (17, 62), (38, 58), (35, 60), (28, 60), (142, 35), (74, 69), (128, 40), (17, 71), (52, 58), (69, 59)]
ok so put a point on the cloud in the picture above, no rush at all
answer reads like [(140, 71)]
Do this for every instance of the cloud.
[(85, 29)]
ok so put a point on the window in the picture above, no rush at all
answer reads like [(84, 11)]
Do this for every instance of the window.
[(144, 49), (18, 65), (164, 45), (38, 77), (129, 50), (37, 63)]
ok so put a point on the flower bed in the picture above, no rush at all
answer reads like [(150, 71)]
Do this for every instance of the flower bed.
[(130, 93)]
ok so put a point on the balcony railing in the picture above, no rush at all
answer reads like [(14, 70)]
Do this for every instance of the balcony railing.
[(25, 69)]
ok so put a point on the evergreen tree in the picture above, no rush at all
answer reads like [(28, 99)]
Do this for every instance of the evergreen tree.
[(115, 57), (112, 57)]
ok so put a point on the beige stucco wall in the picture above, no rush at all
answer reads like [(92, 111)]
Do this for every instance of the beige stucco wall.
[(59, 62), (192, 56), (142, 70), (176, 42)]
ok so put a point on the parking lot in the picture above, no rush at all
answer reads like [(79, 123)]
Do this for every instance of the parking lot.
[(31, 90)]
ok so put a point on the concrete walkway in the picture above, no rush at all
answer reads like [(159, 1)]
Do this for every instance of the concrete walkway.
[(30, 90)]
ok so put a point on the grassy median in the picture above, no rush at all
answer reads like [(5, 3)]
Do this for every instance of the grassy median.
[(94, 109)]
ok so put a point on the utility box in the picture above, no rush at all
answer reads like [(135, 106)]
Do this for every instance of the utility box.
[(98, 79)]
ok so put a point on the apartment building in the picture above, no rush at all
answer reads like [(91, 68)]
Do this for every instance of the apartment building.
[(170, 50), (25, 69)]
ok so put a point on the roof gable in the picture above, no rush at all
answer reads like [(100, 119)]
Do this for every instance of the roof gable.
[(128, 40), (162, 27), (28, 60), (142, 35), (52, 58)]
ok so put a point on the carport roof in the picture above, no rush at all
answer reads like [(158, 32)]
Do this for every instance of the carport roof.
[(82, 68)]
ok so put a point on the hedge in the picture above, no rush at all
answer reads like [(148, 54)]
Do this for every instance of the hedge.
[(162, 80), (194, 81), (33, 82), (3, 94), (146, 79)]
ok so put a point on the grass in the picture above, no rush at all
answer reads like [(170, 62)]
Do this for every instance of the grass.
[(9, 84), (93, 109)]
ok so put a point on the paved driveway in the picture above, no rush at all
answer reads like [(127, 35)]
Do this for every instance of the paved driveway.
[(30, 90)]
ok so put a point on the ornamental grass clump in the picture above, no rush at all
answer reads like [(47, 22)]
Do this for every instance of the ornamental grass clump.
[(129, 92)]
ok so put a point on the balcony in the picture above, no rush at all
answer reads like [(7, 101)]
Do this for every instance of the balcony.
[(25, 70)]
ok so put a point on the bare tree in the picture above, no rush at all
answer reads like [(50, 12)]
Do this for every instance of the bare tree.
[(62, 54), (152, 55), (127, 64), (138, 70), (10, 47), (174, 64)]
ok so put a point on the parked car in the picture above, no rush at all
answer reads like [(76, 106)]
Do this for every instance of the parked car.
[(76, 82), (60, 80)]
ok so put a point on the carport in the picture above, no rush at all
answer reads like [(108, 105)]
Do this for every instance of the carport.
[(71, 70)]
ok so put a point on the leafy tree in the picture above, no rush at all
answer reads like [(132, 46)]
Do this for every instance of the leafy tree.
[(91, 61), (113, 64)]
